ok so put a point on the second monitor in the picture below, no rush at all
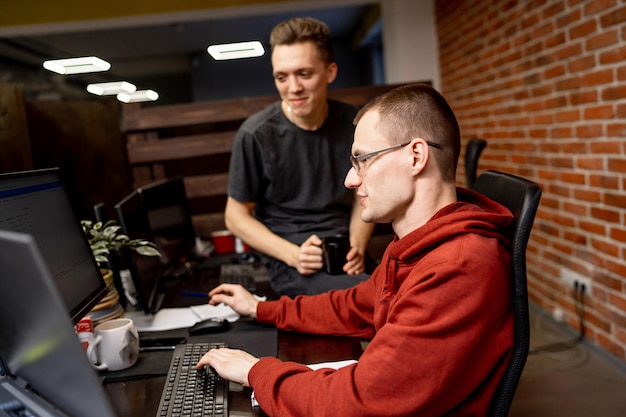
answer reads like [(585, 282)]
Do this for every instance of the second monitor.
[(159, 212)]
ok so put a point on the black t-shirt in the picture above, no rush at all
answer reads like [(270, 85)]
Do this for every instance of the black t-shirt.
[(295, 176)]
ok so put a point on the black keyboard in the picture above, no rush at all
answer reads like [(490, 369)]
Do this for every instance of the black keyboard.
[(192, 392), (242, 274)]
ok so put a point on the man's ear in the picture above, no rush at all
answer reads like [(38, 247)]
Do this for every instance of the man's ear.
[(421, 154), (331, 72)]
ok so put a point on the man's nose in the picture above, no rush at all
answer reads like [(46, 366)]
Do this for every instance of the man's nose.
[(294, 84), (353, 180)]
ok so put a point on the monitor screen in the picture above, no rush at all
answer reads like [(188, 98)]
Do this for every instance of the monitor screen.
[(36, 203), (169, 219), (37, 340)]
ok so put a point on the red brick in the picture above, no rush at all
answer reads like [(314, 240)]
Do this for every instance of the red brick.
[(568, 51), (589, 131), (572, 83), (561, 132), (616, 130), (614, 55), (583, 29), (598, 78), (577, 98), (617, 165), (615, 200), (553, 9), (566, 20), (610, 147), (590, 163), (572, 177), (555, 40), (601, 40), (597, 6), (567, 116), (582, 64), (614, 17), (614, 93), (605, 247), (592, 227), (618, 269), (587, 195), (598, 112), (621, 111), (604, 181), (618, 234), (605, 214)]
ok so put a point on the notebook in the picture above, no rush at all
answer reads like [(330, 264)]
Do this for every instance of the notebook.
[(44, 369)]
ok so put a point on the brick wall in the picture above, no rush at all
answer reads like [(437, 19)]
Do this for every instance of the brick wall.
[(544, 82)]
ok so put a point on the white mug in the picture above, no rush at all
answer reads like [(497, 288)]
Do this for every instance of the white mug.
[(115, 345)]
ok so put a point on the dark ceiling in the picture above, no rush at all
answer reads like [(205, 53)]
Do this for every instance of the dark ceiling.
[(161, 56)]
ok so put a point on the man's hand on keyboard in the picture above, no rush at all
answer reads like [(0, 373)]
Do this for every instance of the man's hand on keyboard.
[(236, 297), (231, 364)]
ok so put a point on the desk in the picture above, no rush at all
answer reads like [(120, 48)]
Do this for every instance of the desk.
[(140, 397)]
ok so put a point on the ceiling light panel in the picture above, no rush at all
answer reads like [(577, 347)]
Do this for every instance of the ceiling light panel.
[(138, 96), (111, 88), (236, 50), (80, 65)]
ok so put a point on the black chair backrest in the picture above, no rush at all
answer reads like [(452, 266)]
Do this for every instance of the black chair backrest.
[(521, 196), (473, 150)]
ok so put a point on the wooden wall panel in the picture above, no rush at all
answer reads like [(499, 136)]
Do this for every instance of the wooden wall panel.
[(83, 138), (15, 148)]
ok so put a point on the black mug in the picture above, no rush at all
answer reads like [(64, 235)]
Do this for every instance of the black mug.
[(336, 249)]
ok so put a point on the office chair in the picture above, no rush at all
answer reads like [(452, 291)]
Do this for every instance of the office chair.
[(473, 150), (521, 196)]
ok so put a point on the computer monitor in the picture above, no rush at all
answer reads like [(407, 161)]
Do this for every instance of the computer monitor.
[(36, 202), (44, 366), (169, 219), (158, 212)]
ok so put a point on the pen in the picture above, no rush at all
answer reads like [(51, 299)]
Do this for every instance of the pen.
[(194, 294), (155, 348)]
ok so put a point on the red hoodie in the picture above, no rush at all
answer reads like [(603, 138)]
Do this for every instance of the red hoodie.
[(439, 315)]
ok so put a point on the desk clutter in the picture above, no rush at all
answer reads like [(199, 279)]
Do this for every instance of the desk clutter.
[(109, 307)]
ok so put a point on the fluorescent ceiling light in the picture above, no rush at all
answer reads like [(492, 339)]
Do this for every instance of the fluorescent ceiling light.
[(77, 65), (236, 50), (112, 88), (137, 96)]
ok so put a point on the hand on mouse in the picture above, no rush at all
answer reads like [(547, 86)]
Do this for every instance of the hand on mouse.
[(231, 364), (236, 297)]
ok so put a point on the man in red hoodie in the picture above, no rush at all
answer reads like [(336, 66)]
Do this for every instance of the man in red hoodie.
[(437, 309)]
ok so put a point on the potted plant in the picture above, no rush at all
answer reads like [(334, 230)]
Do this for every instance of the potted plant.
[(107, 244), (106, 238)]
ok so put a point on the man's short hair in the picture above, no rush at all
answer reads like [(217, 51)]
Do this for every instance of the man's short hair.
[(419, 111), (304, 29)]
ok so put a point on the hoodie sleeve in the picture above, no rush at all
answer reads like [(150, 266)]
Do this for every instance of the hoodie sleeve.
[(339, 312)]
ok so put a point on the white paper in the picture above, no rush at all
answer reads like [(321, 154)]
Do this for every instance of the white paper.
[(181, 318), (164, 319), (222, 311)]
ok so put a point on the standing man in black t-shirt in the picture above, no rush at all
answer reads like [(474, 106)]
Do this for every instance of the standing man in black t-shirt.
[(287, 168)]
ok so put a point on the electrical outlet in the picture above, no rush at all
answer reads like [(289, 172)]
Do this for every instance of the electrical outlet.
[(570, 278), (558, 314)]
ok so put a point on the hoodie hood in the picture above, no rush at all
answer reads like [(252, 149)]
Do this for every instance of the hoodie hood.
[(472, 213)]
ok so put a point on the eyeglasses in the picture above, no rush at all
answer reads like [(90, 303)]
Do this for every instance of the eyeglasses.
[(356, 160)]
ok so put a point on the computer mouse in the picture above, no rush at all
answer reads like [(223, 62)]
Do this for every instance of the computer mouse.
[(212, 325)]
